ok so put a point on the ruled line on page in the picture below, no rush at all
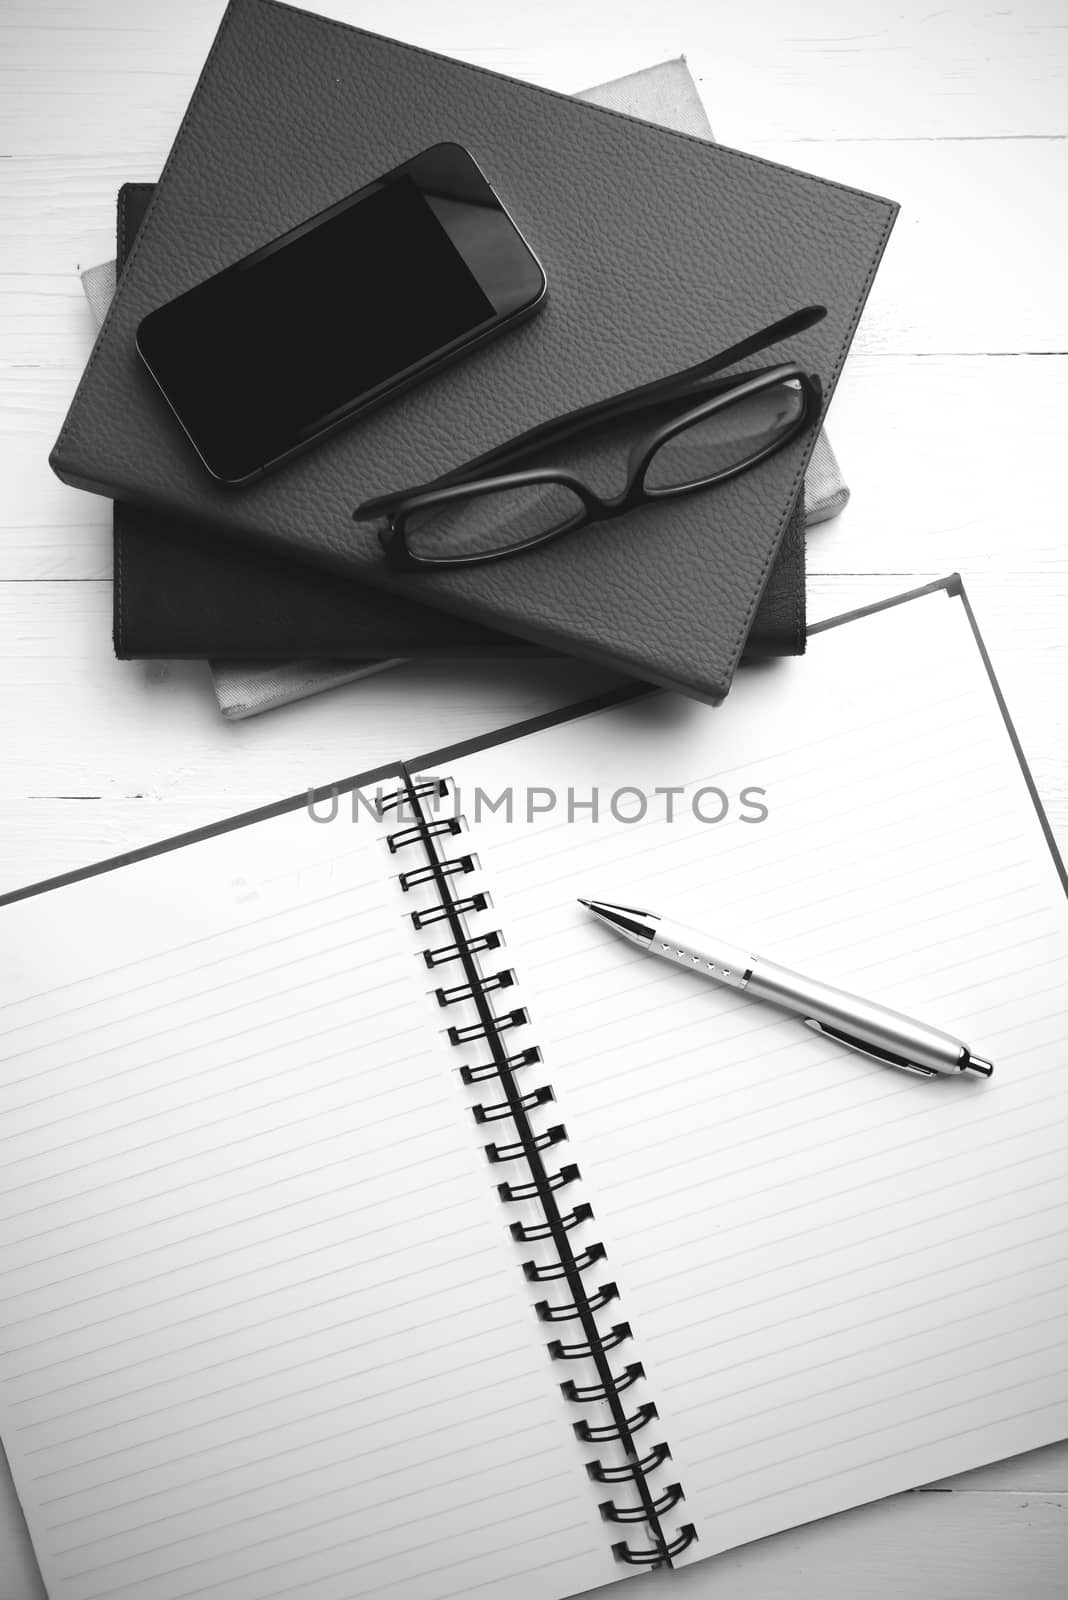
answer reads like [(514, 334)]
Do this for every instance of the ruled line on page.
[(617, 842), (662, 977), (236, 1005), (652, 1091), (186, 1079), (932, 1411), (969, 1361), (425, 1323), (131, 991), (1013, 1414), (753, 1017), (757, 1021), (866, 1095), (566, 945), (233, 1090), (417, 1408), (274, 1454), (410, 1548), (537, 1565), (482, 1499), (381, 1477), (687, 829), (333, 1187), (98, 978), (759, 1184), (155, 1412), (534, 1504), (891, 1260), (252, 1240), (257, 1162), (316, 1222), (734, 1075), (569, 940), (548, 827), (727, 1064), (307, 1036), (341, 1192), (749, 1168), (231, 1278), (840, 1194), (225, 1145), (884, 1341)]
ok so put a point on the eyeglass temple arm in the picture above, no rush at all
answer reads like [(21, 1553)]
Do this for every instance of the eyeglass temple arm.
[(604, 410)]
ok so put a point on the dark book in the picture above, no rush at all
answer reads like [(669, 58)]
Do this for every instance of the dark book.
[(179, 593), (660, 249)]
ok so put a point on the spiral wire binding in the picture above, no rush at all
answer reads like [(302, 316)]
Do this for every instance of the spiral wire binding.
[(572, 1263)]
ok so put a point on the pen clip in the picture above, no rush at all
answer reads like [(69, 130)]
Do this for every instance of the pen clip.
[(864, 1047)]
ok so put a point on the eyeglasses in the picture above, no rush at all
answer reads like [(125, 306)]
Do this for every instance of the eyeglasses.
[(716, 427)]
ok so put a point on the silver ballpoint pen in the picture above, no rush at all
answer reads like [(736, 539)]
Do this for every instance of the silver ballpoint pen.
[(884, 1035)]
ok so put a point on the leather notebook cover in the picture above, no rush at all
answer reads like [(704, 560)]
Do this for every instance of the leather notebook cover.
[(179, 594), (660, 248)]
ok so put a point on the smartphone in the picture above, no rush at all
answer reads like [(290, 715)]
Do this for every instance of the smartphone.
[(340, 313)]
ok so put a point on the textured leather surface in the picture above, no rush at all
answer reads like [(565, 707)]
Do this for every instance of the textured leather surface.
[(178, 594), (660, 248)]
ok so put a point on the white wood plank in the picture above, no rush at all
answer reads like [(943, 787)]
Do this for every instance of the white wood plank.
[(933, 1546), (840, 70), (975, 258), (1040, 1471), (103, 755), (952, 461)]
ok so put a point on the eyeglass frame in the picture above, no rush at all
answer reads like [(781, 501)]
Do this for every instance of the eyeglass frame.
[(705, 379)]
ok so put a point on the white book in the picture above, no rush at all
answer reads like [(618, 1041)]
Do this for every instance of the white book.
[(267, 1330)]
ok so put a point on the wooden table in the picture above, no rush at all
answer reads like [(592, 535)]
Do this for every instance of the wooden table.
[(950, 423)]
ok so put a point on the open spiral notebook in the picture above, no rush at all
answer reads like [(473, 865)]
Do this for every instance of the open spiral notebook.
[(373, 1223)]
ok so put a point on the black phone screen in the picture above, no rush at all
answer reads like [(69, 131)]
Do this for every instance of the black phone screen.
[(274, 350)]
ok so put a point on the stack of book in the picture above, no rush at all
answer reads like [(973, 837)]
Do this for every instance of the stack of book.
[(712, 245), (275, 632)]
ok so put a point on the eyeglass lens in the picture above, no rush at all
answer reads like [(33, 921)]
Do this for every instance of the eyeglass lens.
[(726, 440), (502, 520), (481, 524)]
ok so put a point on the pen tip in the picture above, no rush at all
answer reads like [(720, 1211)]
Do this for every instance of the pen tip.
[(588, 904)]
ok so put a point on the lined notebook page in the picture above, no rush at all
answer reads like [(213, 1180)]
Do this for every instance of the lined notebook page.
[(264, 1336), (842, 1280)]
